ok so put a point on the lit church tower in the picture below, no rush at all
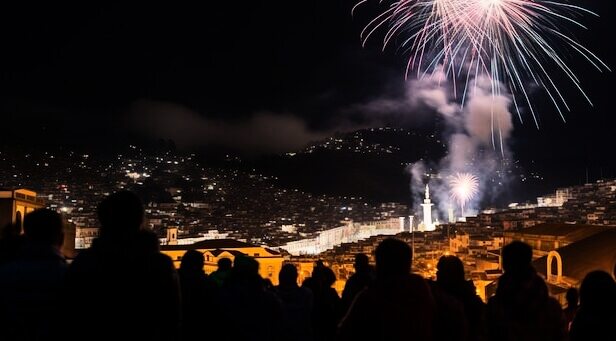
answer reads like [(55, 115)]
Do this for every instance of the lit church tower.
[(427, 212)]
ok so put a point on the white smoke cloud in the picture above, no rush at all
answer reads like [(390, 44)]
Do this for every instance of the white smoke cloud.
[(462, 151), (477, 132), (487, 116), (436, 98), (431, 91), (405, 108), (477, 135)]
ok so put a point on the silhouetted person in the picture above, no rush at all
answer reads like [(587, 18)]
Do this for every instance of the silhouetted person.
[(123, 287), (250, 311), (363, 276), (267, 284), (572, 305), (222, 272), (326, 311), (317, 271), (521, 309), (297, 305), (10, 242), (596, 317), (455, 292), (399, 306), (200, 297), (31, 284)]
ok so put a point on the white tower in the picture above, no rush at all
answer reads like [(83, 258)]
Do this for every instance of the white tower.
[(427, 212)]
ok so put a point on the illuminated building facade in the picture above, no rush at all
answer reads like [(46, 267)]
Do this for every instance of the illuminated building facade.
[(270, 261), (350, 232), (84, 236), (15, 204)]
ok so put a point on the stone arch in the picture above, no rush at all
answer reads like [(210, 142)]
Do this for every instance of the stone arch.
[(559, 267)]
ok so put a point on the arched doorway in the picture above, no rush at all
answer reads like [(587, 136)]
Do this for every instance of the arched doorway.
[(559, 267)]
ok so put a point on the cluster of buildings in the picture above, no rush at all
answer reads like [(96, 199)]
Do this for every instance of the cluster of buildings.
[(202, 202), (566, 243), (16, 203), (225, 213), (374, 141), (566, 222)]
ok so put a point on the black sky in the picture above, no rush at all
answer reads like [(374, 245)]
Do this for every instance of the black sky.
[(85, 74)]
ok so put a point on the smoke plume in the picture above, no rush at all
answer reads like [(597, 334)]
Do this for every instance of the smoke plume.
[(477, 132)]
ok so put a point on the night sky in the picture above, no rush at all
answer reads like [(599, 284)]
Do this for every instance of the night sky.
[(230, 74)]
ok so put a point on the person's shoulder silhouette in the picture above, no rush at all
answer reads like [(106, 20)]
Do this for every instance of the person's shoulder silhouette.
[(297, 305), (452, 289), (31, 284), (521, 307), (124, 272), (572, 297), (362, 278), (244, 290), (398, 306), (200, 303), (11, 241), (596, 316)]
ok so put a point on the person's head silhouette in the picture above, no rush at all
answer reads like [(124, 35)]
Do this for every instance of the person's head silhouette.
[(598, 289), (450, 270), (572, 297), (288, 276), (192, 261), (328, 277), (246, 265), (245, 272), (224, 264), (44, 226), (120, 214), (393, 258), (517, 258), (362, 263)]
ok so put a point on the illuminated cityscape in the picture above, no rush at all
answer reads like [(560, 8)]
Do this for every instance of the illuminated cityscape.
[(226, 207)]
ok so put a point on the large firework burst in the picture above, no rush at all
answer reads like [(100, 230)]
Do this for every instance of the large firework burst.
[(513, 42)]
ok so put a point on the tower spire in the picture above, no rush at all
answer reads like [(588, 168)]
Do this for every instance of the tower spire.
[(428, 225)]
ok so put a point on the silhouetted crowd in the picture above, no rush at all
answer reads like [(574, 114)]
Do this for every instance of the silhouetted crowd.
[(124, 288)]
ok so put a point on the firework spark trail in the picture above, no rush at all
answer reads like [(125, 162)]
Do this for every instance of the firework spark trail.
[(513, 42), (463, 188)]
